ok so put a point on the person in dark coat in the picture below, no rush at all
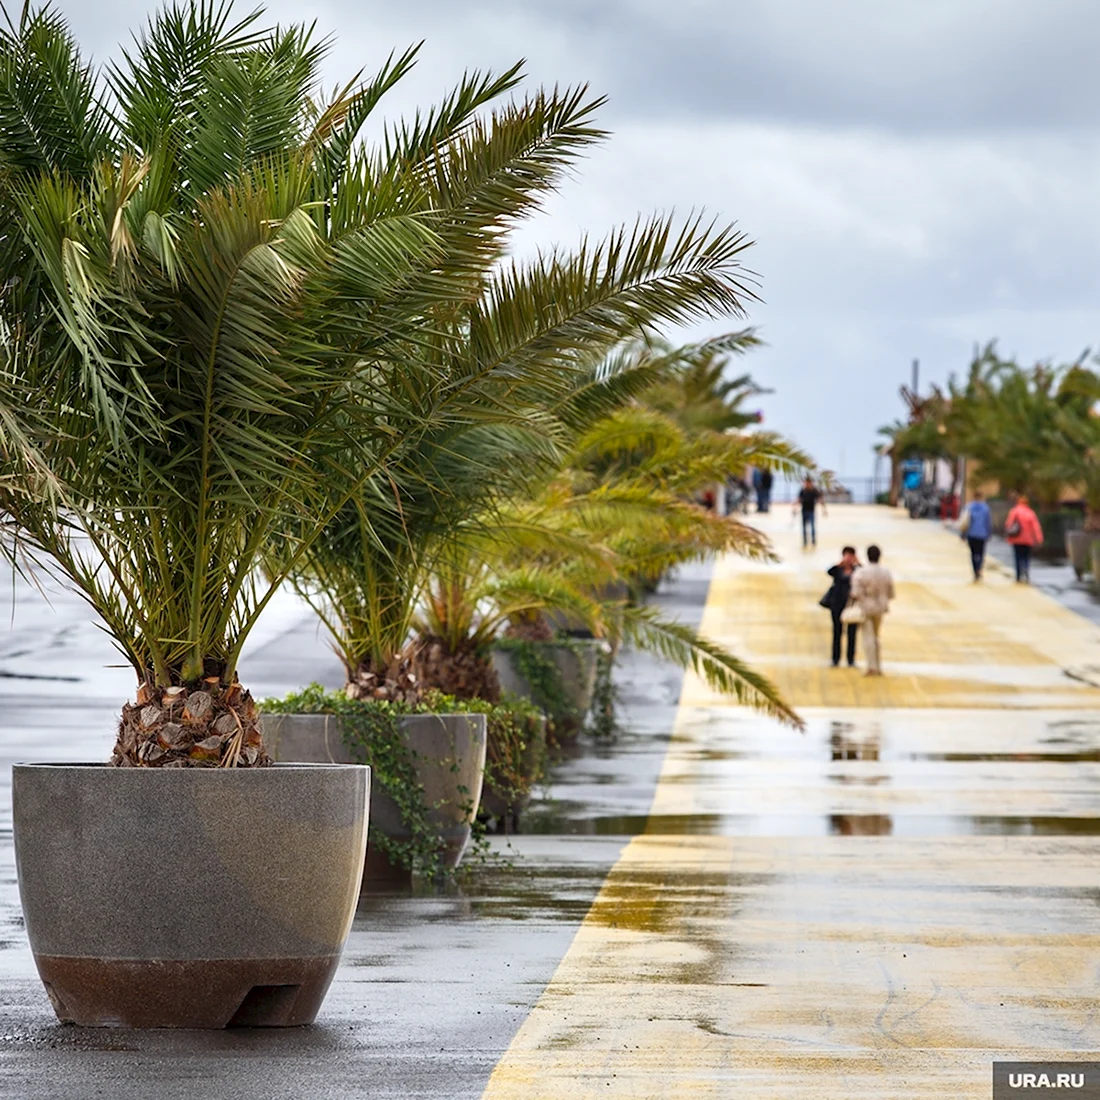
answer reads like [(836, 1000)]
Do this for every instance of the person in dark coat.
[(841, 590), (762, 481)]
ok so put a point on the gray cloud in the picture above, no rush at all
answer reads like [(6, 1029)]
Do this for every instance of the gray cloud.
[(918, 175)]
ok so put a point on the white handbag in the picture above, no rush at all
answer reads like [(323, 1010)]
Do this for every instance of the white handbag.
[(852, 615)]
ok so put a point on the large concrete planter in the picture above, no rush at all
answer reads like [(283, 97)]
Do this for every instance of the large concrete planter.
[(497, 799), (1079, 546), (1056, 525), (448, 753), (1094, 555), (576, 663), (188, 897)]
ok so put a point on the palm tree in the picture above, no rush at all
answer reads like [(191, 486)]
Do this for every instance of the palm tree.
[(695, 386), (522, 346), (1010, 420), (215, 300)]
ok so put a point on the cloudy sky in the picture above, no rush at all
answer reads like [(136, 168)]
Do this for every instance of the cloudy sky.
[(918, 175)]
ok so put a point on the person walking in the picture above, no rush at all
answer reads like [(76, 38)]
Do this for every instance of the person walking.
[(1024, 533), (872, 591), (839, 596), (808, 500), (762, 482), (977, 526)]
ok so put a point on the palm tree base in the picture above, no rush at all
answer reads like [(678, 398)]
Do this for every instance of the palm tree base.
[(466, 674), (207, 726), (398, 683)]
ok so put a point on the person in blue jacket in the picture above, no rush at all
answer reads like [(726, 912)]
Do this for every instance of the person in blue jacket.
[(977, 528)]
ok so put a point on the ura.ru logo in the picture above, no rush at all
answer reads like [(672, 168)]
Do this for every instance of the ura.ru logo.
[(1046, 1080)]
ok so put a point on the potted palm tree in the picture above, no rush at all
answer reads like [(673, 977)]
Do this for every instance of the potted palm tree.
[(210, 290)]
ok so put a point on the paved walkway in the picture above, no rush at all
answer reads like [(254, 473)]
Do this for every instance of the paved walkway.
[(877, 908)]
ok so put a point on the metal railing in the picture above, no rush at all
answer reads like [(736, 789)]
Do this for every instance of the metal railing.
[(847, 490)]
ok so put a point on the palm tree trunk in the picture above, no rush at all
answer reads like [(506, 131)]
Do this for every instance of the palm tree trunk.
[(465, 674), (209, 725)]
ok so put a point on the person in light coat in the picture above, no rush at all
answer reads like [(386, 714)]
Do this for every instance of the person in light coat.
[(872, 591)]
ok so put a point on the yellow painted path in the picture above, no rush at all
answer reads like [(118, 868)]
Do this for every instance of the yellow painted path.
[(877, 908)]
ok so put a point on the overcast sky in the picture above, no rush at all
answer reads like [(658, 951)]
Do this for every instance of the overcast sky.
[(918, 175)]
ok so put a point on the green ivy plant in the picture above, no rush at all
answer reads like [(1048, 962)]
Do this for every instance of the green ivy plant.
[(515, 756), (544, 678), (602, 721)]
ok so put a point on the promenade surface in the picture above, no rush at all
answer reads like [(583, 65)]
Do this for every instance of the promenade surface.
[(877, 908), (713, 907)]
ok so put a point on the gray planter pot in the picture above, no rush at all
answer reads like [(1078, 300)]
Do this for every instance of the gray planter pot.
[(1056, 525), (1094, 555), (1079, 550), (576, 662), (188, 897), (998, 513), (498, 801), (448, 753)]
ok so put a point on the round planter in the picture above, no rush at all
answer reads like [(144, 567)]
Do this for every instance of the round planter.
[(1055, 526), (448, 754), (188, 897), (1079, 550), (576, 662), (499, 801)]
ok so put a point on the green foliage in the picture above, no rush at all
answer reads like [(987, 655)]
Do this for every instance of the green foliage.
[(515, 753), (1025, 427), (602, 722), (695, 388), (213, 290)]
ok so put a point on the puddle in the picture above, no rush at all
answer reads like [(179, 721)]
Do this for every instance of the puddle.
[(1084, 756), (861, 824), (628, 824)]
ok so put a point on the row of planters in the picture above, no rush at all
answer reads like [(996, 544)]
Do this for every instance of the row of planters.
[(241, 349)]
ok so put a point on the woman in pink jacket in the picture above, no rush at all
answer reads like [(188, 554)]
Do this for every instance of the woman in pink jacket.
[(1023, 531)]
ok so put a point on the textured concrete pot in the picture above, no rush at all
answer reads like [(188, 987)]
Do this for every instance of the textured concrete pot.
[(1079, 546), (1056, 525), (498, 801), (188, 897), (576, 662), (448, 752)]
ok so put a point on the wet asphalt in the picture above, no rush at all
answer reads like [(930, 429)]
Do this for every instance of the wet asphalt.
[(435, 981)]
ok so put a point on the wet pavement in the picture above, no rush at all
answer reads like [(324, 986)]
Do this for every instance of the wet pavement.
[(879, 907), (434, 984), (714, 906)]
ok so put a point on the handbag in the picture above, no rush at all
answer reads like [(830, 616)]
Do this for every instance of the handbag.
[(852, 615), (1013, 529), (828, 599), (964, 523)]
